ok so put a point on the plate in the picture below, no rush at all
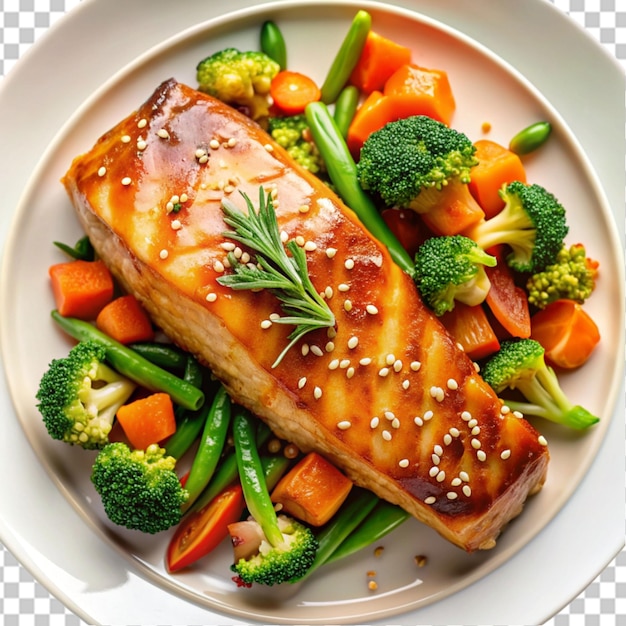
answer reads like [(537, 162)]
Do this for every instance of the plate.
[(29, 340)]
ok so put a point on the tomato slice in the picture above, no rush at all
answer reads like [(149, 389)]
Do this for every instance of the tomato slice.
[(567, 332), (202, 531), (471, 328)]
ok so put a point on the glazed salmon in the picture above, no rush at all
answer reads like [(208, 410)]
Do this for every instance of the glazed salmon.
[(386, 395)]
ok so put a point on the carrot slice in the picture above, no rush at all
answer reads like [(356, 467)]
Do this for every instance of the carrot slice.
[(81, 288), (421, 90), (567, 332), (497, 165), (471, 329), (380, 58), (507, 301), (125, 320), (148, 420), (313, 490), (292, 91)]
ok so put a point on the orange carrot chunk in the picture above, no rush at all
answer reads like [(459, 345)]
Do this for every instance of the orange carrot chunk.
[(380, 58), (313, 490), (292, 91), (497, 165), (370, 116), (416, 90), (125, 320), (471, 328), (567, 332), (148, 420), (81, 288)]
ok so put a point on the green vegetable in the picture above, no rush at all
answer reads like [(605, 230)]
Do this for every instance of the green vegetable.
[(288, 548), (347, 57), (82, 250), (450, 269), (345, 108), (79, 396), (382, 519), (238, 78), (132, 365), (285, 275), (273, 43), (164, 355), (520, 365), (532, 223), (343, 174), (291, 132), (408, 162), (216, 423), (139, 489), (530, 138), (571, 276)]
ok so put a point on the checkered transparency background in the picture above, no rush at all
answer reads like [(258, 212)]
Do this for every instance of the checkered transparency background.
[(23, 601)]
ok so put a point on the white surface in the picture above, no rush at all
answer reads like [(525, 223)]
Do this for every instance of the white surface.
[(584, 552)]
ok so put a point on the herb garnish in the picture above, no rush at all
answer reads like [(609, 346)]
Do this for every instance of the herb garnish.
[(286, 276)]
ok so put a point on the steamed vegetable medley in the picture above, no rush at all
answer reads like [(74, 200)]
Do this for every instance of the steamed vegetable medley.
[(486, 248)]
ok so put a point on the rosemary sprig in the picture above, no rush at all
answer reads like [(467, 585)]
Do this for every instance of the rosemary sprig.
[(285, 275)]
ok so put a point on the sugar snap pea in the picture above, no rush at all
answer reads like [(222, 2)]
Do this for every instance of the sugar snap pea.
[(273, 43), (346, 57), (530, 138)]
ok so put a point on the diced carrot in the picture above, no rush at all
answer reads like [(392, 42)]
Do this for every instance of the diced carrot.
[(313, 490), (292, 91), (370, 116), (125, 320), (380, 58), (567, 332), (470, 327), (507, 301), (81, 288), (418, 90), (455, 212), (148, 420), (407, 226), (497, 165)]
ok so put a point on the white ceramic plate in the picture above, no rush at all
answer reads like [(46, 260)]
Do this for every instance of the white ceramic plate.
[(504, 99)]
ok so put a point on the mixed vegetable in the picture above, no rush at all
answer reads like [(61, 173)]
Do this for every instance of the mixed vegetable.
[(486, 250)]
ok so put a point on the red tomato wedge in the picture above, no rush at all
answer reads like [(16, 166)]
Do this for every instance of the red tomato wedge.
[(202, 531), (567, 332)]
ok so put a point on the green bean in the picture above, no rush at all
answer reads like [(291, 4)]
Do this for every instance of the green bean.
[(273, 43), (132, 365), (255, 489), (82, 250), (530, 138), (347, 57), (164, 355), (345, 108), (342, 171), (384, 518), (211, 445), (352, 512)]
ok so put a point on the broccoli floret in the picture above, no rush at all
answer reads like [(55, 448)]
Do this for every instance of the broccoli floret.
[(571, 276), (520, 364), (532, 223), (449, 269), (292, 133), (79, 396), (139, 488), (287, 561), (239, 78), (409, 162)]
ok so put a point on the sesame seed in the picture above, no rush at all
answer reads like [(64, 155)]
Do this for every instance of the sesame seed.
[(435, 459), (455, 482), (303, 208), (317, 393), (126, 181), (331, 333), (211, 297), (274, 316), (476, 444), (141, 145), (330, 346), (142, 123), (102, 171), (472, 423), (164, 254), (434, 470), (389, 415), (518, 414), (218, 266), (344, 363), (199, 153), (437, 393), (176, 225), (183, 197), (505, 409), (395, 423), (466, 416), (460, 346), (452, 384), (232, 142), (428, 415), (415, 365), (505, 454), (406, 384), (265, 324), (438, 450), (203, 159), (447, 439), (481, 456), (349, 264), (344, 425), (169, 207), (310, 246), (452, 495), (305, 349), (390, 358), (371, 309), (347, 305), (475, 431), (464, 476), (300, 240), (386, 435), (403, 463), (331, 252), (163, 134), (467, 490), (455, 432), (441, 476), (374, 422), (334, 364), (350, 372), (383, 371), (365, 361), (328, 292), (542, 440), (418, 420), (302, 382), (397, 366), (125, 138), (430, 500), (269, 147), (353, 342), (284, 237), (316, 350), (343, 287), (214, 144)]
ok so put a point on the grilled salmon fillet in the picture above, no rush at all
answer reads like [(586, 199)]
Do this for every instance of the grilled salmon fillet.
[(387, 395)]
